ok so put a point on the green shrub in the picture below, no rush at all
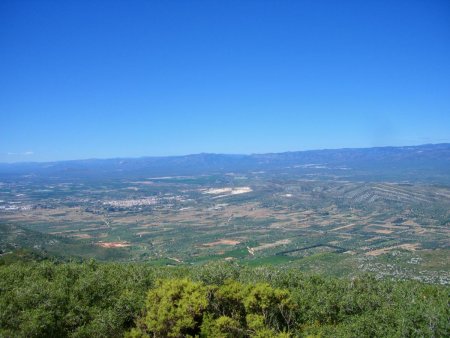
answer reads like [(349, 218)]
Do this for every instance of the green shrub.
[(182, 308)]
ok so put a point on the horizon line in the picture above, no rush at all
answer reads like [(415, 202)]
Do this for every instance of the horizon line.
[(212, 153)]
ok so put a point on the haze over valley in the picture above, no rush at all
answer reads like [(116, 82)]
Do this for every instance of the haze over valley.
[(341, 212)]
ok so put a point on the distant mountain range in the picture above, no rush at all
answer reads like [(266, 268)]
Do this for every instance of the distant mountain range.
[(430, 161)]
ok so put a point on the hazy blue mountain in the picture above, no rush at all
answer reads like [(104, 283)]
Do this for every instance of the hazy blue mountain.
[(429, 162)]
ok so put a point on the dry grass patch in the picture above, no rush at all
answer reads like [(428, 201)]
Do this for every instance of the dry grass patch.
[(222, 242), (272, 245), (406, 246)]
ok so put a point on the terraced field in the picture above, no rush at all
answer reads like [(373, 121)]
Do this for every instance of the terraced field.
[(337, 225)]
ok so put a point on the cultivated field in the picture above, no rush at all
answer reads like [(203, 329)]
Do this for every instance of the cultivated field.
[(322, 224)]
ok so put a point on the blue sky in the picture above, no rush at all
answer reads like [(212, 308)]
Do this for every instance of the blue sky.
[(84, 79)]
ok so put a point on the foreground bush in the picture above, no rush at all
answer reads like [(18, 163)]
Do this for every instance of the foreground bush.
[(89, 299), (181, 308)]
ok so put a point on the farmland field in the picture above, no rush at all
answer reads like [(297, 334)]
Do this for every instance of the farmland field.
[(331, 220)]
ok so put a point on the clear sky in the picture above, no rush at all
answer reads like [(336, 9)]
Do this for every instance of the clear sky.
[(84, 79)]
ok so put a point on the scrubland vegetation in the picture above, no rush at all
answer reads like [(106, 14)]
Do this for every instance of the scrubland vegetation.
[(92, 299)]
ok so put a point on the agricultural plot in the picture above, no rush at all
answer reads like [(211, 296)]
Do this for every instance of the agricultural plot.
[(335, 225)]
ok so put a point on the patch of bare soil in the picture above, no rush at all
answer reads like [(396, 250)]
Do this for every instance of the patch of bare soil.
[(113, 244), (222, 242), (406, 246), (272, 245)]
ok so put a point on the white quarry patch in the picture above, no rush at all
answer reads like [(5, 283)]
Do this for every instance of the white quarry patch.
[(228, 191)]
